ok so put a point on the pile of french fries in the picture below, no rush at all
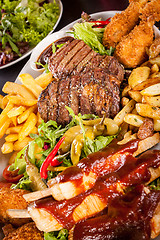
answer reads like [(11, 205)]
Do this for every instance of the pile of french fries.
[(140, 99), (19, 116)]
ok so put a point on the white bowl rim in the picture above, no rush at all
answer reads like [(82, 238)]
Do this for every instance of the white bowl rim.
[(46, 42)]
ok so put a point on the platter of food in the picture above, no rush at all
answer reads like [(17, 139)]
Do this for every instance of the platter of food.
[(97, 110), (21, 32)]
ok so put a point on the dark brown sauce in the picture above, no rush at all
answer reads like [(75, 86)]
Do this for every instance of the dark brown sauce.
[(128, 218), (47, 53), (131, 173)]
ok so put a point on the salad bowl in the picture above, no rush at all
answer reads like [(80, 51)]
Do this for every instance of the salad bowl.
[(31, 49)]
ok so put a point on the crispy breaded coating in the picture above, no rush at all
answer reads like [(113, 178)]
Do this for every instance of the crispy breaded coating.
[(12, 199), (154, 49), (122, 23), (131, 51), (28, 231), (152, 11)]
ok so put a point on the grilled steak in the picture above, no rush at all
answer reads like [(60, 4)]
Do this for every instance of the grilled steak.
[(84, 80)]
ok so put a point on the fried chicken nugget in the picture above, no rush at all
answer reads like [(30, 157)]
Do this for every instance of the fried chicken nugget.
[(131, 50), (28, 231), (122, 23), (12, 199)]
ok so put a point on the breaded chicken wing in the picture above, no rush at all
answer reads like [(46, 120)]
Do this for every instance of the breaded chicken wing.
[(122, 23), (12, 199), (131, 50), (28, 231)]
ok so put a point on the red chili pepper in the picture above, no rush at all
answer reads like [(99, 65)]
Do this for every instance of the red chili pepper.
[(50, 160), (55, 162), (12, 176), (101, 24)]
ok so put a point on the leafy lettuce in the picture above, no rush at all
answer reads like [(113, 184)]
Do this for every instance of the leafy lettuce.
[(27, 21), (91, 36), (58, 235)]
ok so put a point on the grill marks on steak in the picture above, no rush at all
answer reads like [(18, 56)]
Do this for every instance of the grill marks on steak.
[(85, 81)]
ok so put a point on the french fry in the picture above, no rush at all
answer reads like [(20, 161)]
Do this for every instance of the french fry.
[(152, 90), (44, 79), (5, 101), (147, 143), (125, 91), (4, 127), (155, 60), (154, 68), (18, 100), (156, 125), (30, 84), (135, 95), (34, 130), (18, 146), (11, 137), (17, 89), (3, 115), (7, 147), (138, 75), (127, 109), (14, 120), (149, 82), (133, 119), (39, 119), (1, 99), (23, 117), (127, 139), (124, 101), (12, 130), (27, 127), (16, 111), (147, 110), (154, 101)]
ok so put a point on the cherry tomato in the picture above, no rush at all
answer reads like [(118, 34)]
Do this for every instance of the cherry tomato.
[(11, 176)]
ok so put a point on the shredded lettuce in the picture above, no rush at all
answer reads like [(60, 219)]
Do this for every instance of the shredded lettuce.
[(91, 36)]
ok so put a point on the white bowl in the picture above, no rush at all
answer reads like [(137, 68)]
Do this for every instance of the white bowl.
[(31, 49), (46, 42)]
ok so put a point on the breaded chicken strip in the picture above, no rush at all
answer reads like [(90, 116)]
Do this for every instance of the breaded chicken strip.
[(12, 199), (131, 51), (122, 23), (28, 231)]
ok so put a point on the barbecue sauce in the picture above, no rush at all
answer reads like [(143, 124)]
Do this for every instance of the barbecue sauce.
[(128, 218), (99, 163), (109, 186), (47, 53)]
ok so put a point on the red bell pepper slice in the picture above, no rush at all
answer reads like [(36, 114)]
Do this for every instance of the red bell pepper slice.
[(101, 24), (12, 176), (50, 160)]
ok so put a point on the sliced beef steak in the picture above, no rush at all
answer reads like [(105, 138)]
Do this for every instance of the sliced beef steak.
[(84, 80)]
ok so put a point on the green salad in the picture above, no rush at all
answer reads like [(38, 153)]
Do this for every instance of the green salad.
[(23, 24)]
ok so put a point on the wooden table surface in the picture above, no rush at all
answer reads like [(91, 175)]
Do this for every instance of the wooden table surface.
[(72, 10)]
